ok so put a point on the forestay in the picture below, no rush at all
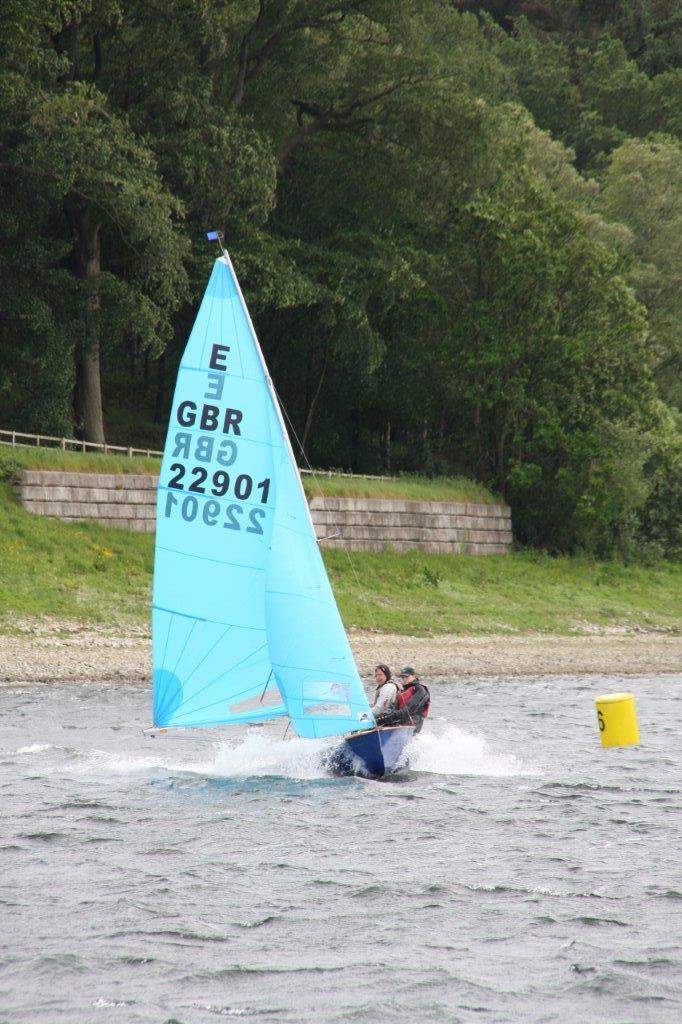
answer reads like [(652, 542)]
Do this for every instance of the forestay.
[(244, 625)]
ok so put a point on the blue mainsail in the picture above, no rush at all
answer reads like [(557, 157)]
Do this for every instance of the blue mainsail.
[(244, 624)]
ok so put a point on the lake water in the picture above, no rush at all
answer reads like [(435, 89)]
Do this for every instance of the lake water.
[(518, 872)]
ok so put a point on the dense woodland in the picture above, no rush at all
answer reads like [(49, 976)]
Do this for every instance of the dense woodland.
[(458, 227)]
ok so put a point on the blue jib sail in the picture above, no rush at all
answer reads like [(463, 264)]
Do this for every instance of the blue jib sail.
[(244, 622)]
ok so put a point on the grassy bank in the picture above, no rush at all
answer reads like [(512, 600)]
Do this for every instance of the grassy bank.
[(423, 594), (103, 575), (26, 457), (318, 483)]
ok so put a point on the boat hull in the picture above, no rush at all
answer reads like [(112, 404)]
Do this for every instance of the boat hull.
[(372, 753)]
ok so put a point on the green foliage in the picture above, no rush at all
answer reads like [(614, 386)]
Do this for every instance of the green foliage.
[(411, 196), (10, 464), (92, 181), (592, 90), (661, 514), (643, 189)]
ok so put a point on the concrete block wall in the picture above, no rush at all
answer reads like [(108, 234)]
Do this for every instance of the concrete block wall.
[(372, 524), (113, 499), (359, 524)]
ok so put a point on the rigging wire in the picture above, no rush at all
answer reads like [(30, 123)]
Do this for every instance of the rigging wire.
[(217, 236), (361, 589), (267, 683)]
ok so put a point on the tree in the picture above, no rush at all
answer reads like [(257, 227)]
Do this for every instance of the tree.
[(403, 190), (98, 187), (643, 189), (548, 364), (588, 88)]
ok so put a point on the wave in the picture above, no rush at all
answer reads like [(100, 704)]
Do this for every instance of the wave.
[(36, 748), (441, 749), (445, 749)]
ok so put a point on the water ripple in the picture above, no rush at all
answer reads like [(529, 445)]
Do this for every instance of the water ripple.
[(516, 872)]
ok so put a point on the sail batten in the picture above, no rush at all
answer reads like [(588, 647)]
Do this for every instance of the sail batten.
[(245, 719), (237, 694), (240, 590), (171, 611), (219, 561)]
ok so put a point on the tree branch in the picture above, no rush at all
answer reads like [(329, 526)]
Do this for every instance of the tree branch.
[(251, 64), (239, 86), (71, 190), (333, 119), (97, 56)]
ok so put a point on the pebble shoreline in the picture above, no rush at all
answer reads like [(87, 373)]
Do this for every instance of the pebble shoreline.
[(63, 651)]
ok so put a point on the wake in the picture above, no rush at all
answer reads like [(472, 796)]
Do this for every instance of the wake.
[(440, 749), (445, 749)]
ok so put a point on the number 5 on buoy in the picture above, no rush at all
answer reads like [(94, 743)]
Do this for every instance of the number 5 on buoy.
[(617, 720)]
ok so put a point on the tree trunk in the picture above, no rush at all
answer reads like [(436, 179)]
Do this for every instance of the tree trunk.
[(85, 225), (160, 400), (501, 458), (479, 446), (499, 464)]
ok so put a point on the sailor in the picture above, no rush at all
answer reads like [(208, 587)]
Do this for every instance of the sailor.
[(386, 692), (412, 703)]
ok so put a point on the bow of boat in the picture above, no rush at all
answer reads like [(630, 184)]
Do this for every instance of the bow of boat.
[(372, 753)]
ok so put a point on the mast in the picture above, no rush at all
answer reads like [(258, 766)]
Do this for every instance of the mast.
[(268, 380)]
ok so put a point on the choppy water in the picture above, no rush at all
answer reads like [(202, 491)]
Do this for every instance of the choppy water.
[(518, 872)]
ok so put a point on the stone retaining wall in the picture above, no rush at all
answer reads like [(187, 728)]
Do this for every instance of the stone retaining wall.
[(113, 499), (369, 524)]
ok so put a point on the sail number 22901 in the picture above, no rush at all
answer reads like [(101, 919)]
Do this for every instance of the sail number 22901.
[(211, 511), (219, 483)]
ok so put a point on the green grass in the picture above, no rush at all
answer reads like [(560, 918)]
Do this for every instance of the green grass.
[(417, 488), (25, 457), (321, 483), (102, 575), (522, 592), (71, 570)]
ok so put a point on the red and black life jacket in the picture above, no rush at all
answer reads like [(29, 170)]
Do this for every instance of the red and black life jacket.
[(408, 692)]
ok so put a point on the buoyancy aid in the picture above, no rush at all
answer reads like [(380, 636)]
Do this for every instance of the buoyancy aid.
[(413, 690), (392, 700), (403, 696)]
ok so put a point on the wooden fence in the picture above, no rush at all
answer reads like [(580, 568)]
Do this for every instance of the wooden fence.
[(16, 438), (69, 444)]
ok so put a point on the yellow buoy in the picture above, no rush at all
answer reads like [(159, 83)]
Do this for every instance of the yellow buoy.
[(617, 720)]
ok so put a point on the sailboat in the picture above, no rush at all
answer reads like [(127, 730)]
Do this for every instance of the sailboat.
[(245, 627)]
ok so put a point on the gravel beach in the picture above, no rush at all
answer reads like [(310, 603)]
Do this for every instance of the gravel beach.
[(57, 650)]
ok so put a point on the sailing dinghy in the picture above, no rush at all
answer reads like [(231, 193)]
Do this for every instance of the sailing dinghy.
[(245, 627)]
